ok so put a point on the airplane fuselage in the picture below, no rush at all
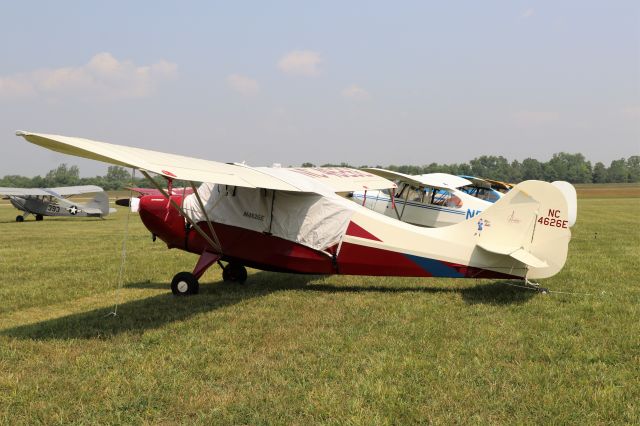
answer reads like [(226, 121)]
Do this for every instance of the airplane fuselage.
[(48, 206), (360, 252)]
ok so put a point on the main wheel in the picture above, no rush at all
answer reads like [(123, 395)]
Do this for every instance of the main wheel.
[(39, 217), (234, 272), (184, 284), (19, 218)]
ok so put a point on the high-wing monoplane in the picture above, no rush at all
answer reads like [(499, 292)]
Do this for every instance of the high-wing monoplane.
[(292, 220), (484, 189), (432, 200), (42, 202)]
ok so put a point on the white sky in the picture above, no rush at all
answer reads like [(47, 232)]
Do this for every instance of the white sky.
[(290, 82)]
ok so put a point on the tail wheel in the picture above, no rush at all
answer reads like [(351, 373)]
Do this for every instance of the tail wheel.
[(39, 217), (184, 284), (19, 218), (234, 272)]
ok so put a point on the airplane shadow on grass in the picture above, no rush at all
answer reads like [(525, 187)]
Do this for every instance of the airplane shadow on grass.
[(137, 316)]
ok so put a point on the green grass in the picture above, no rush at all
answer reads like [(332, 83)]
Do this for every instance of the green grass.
[(287, 349)]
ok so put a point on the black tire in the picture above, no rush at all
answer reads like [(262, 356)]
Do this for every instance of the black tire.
[(184, 284), (19, 218), (39, 217), (234, 272)]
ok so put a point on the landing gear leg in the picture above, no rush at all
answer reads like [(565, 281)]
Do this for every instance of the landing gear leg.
[(234, 272), (39, 217)]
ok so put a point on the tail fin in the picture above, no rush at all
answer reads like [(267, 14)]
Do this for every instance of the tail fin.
[(100, 202), (569, 192), (530, 224)]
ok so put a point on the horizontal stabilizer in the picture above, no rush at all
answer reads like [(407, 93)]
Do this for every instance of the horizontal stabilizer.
[(519, 254), (528, 259)]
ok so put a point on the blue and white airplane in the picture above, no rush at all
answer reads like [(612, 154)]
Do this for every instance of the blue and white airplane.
[(431, 200)]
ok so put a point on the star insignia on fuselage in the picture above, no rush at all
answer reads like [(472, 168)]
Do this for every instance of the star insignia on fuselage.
[(73, 210)]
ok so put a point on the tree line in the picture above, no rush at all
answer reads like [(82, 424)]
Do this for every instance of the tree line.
[(573, 168)]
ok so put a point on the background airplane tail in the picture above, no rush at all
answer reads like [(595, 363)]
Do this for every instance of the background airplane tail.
[(527, 228), (100, 203)]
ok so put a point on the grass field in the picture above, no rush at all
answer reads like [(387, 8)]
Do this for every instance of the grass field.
[(287, 349)]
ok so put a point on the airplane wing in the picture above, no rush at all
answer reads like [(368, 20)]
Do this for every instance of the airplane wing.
[(153, 191), (498, 184), (23, 192), (476, 181), (435, 180), (67, 191), (444, 180), (194, 169), (344, 179)]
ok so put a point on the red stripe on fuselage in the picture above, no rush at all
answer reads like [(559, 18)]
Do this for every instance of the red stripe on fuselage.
[(356, 230)]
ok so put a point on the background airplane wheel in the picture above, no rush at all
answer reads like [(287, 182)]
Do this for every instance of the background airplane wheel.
[(39, 217), (234, 272), (19, 218), (184, 284)]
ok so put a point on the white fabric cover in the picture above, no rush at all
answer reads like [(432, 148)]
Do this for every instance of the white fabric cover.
[(310, 219)]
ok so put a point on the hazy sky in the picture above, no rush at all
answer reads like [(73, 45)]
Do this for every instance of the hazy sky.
[(288, 82)]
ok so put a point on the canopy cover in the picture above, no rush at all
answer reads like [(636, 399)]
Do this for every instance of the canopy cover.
[(309, 219)]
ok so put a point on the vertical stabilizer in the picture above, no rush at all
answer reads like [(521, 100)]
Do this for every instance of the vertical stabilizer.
[(529, 225), (101, 202)]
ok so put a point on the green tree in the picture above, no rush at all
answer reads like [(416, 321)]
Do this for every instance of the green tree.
[(117, 178), (599, 173), (633, 165), (570, 167), (618, 171), (532, 169), (490, 166), (62, 176)]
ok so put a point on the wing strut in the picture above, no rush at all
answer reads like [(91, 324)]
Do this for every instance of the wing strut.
[(204, 212), (203, 234)]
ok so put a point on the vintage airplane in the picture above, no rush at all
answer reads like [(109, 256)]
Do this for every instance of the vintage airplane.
[(483, 189), (432, 200), (42, 202), (292, 220)]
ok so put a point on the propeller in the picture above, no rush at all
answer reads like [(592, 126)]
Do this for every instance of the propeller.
[(133, 203)]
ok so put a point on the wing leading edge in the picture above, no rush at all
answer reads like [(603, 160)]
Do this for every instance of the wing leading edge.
[(198, 170)]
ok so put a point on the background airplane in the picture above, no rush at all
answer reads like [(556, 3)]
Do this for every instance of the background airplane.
[(430, 200), (485, 189), (42, 202)]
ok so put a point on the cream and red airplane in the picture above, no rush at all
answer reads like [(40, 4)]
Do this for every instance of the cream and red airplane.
[(292, 220)]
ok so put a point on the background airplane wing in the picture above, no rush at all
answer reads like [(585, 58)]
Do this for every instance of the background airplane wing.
[(198, 170), (23, 192), (435, 180), (67, 191)]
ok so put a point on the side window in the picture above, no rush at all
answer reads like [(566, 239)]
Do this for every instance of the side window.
[(415, 194)]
